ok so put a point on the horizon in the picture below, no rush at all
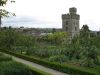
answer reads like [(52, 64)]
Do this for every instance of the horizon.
[(47, 13)]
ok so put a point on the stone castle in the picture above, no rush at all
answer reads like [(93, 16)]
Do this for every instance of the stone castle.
[(70, 22)]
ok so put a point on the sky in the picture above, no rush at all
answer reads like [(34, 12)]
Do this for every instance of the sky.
[(47, 13)]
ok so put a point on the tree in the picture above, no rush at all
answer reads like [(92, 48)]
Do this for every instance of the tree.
[(3, 12), (8, 39), (3, 2), (89, 43), (85, 35), (29, 43), (57, 38), (85, 31)]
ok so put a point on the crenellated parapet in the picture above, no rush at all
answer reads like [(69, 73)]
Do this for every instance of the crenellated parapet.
[(72, 14)]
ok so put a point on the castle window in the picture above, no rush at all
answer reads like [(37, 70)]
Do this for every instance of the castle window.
[(75, 28), (66, 28), (66, 22)]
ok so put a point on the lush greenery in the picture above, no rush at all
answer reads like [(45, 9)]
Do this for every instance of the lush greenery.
[(8, 66), (4, 58), (60, 52), (64, 68)]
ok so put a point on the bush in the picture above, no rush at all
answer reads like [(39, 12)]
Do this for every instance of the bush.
[(13, 68), (1, 54), (4, 58), (58, 58)]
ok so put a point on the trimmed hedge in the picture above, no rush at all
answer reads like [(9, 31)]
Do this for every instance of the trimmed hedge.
[(63, 68), (4, 58), (39, 72), (7, 66), (15, 68)]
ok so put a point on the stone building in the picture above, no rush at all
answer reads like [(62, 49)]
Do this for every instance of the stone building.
[(70, 22)]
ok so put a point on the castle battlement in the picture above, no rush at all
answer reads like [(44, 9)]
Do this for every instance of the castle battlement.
[(71, 16)]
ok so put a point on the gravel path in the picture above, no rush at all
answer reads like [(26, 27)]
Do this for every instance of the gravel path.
[(37, 66)]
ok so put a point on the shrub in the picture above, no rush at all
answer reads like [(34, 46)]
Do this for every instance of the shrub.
[(13, 68), (58, 58), (4, 58), (1, 54)]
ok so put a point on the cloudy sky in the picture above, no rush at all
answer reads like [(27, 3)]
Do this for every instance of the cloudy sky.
[(47, 13)]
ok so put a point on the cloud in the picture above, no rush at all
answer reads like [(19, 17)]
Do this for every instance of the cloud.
[(29, 22)]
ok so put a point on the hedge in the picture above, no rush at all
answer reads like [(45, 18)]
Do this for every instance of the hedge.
[(63, 68), (16, 68), (38, 72), (5, 58)]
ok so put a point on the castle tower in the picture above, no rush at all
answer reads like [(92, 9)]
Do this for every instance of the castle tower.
[(70, 22)]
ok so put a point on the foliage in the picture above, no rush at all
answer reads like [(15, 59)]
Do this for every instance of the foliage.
[(4, 58), (56, 38), (81, 51), (7, 39), (47, 51), (10, 39), (13, 68), (86, 47), (91, 56), (8, 66), (3, 12), (64, 68), (38, 72), (58, 58), (3, 2)]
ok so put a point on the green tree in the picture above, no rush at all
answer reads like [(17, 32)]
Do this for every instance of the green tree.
[(8, 38), (85, 32), (3, 12), (88, 44), (57, 38), (85, 35), (29, 43), (3, 2)]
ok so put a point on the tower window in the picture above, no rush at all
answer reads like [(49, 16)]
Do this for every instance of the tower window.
[(66, 22), (75, 28), (66, 28)]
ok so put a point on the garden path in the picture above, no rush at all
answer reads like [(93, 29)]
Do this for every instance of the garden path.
[(37, 66)]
